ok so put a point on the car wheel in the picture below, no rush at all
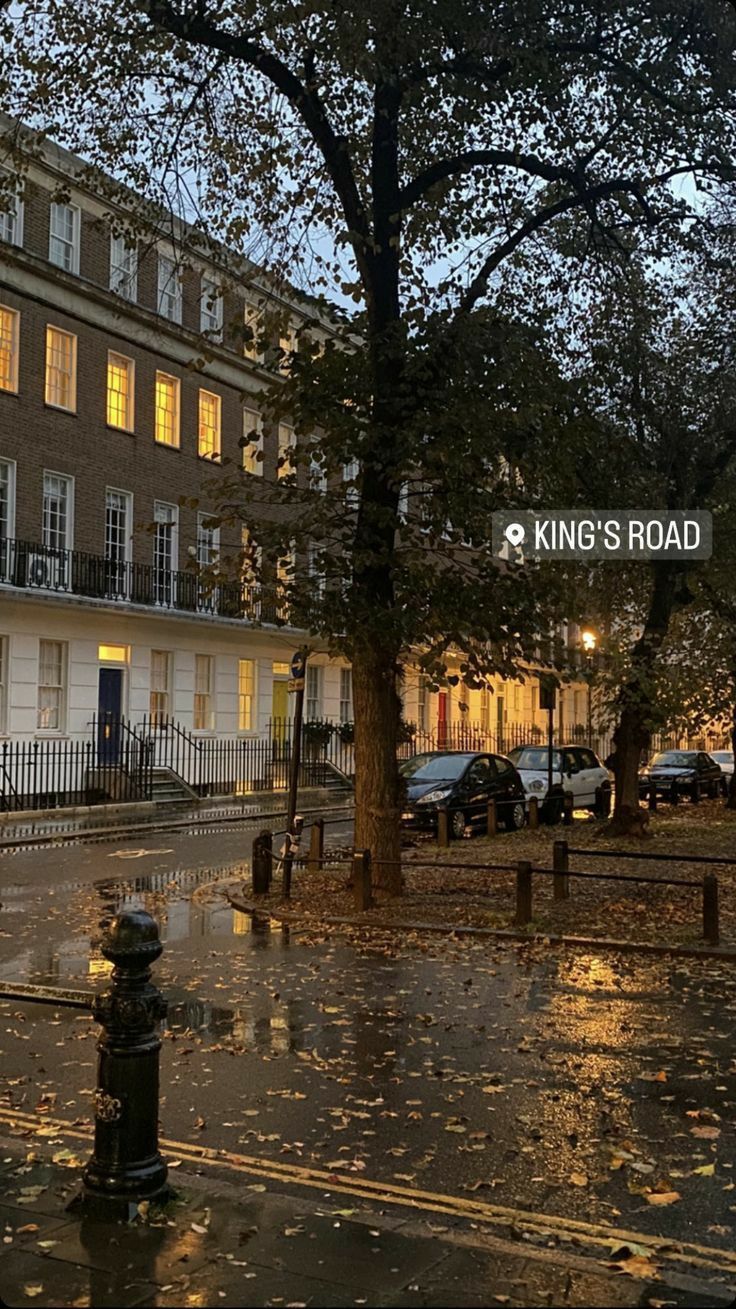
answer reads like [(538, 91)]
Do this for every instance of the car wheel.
[(517, 817), (458, 824)]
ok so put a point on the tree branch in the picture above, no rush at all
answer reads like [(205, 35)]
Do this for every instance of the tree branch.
[(467, 159), (305, 101)]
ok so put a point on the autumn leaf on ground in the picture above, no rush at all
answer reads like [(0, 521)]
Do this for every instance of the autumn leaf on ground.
[(707, 1170), (578, 1179), (661, 1076), (706, 1133), (636, 1265), (663, 1197)]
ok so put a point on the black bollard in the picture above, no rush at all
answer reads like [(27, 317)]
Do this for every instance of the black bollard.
[(443, 827), (126, 1166), (260, 866)]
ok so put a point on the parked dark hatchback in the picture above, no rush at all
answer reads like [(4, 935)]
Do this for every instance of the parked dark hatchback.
[(465, 783), (674, 773)]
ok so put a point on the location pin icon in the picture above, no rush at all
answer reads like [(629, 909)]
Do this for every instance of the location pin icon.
[(514, 533)]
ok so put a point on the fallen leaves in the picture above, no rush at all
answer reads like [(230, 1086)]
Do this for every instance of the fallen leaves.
[(662, 1198)]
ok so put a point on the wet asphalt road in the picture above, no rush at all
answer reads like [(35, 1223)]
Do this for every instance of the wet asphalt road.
[(561, 1082)]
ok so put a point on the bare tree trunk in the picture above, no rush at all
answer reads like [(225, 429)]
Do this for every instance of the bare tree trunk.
[(636, 700), (377, 816)]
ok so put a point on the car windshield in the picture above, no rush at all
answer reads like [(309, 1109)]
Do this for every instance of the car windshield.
[(674, 759), (535, 759), (435, 767)]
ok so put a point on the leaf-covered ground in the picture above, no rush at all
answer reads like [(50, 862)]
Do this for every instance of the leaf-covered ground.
[(486, 898)]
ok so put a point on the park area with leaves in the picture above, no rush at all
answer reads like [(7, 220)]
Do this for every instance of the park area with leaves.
[(438, 893)]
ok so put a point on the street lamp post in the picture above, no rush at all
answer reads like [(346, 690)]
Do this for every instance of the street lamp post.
[(590, 641)]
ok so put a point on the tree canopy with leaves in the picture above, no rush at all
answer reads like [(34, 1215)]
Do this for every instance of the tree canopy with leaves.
[(401, 154)]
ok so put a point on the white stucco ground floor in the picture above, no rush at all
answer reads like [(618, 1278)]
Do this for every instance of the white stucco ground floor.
[(64, 660)]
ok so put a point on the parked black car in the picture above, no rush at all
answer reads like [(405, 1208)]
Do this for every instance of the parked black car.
[(674, 773), (464, 782)]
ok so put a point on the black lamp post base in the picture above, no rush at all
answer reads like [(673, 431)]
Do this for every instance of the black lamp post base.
[(106, 1208)]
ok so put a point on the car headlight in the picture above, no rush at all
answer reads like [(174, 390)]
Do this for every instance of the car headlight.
[(536, 785), (433, 797)]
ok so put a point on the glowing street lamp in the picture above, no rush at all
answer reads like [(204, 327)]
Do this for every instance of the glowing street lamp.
[(590, 641)]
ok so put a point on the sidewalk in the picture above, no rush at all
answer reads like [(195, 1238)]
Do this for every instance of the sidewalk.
[(219, 1244), (48, 827)]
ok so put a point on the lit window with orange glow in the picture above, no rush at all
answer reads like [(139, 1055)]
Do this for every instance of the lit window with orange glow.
[(166, 416), (120, 391), (209, 425)]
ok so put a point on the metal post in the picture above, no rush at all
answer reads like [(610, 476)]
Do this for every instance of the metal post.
[(126, 1166), (652, 798), (295, 764), (560, 866), (550, 740), (567, 808), (443, 827), (362, 880), (533, 813), (266, 838), (316, 845), (523, 894), (260, 866), (492, 818), (710, 909)]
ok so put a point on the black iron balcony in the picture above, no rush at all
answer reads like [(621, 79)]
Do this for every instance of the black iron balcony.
[(34, 567)]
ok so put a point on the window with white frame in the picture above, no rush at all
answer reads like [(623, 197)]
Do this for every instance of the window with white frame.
[(246, 694), (286, 470), (350, 472), (288, 345), (11, 218), (7, 501), (316, 569), (61, 368), (169, 289), (210, 307), (9, 339), (123, 268), (160, 691), (253, 442), (120, 391), (422, 704), (485, 708), (166, 410), (118, 518), (517, 696), (209, 430), (250, 573), (346, 695), (313, 693), (317, 471), (165, 551), (58, 503), (253, 335), (51, 686), (204, 717), (284, 581), (3, 683), (208, 541), (64, 223)]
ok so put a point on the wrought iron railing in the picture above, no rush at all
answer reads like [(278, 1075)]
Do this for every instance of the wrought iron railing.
[(35, 567), (114, 764)]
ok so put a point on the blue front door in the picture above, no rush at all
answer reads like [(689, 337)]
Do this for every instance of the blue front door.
[(109, 707)]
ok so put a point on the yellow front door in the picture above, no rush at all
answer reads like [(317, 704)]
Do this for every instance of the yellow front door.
[(279, 709)]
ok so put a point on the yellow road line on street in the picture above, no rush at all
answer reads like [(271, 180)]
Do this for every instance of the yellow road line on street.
[(687, 1252)]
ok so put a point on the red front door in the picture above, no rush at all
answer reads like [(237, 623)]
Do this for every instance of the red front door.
[(442, 720)]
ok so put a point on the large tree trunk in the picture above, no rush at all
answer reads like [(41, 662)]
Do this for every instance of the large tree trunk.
[(630, 739), (377, 802), (731, 801), (636, 699)]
